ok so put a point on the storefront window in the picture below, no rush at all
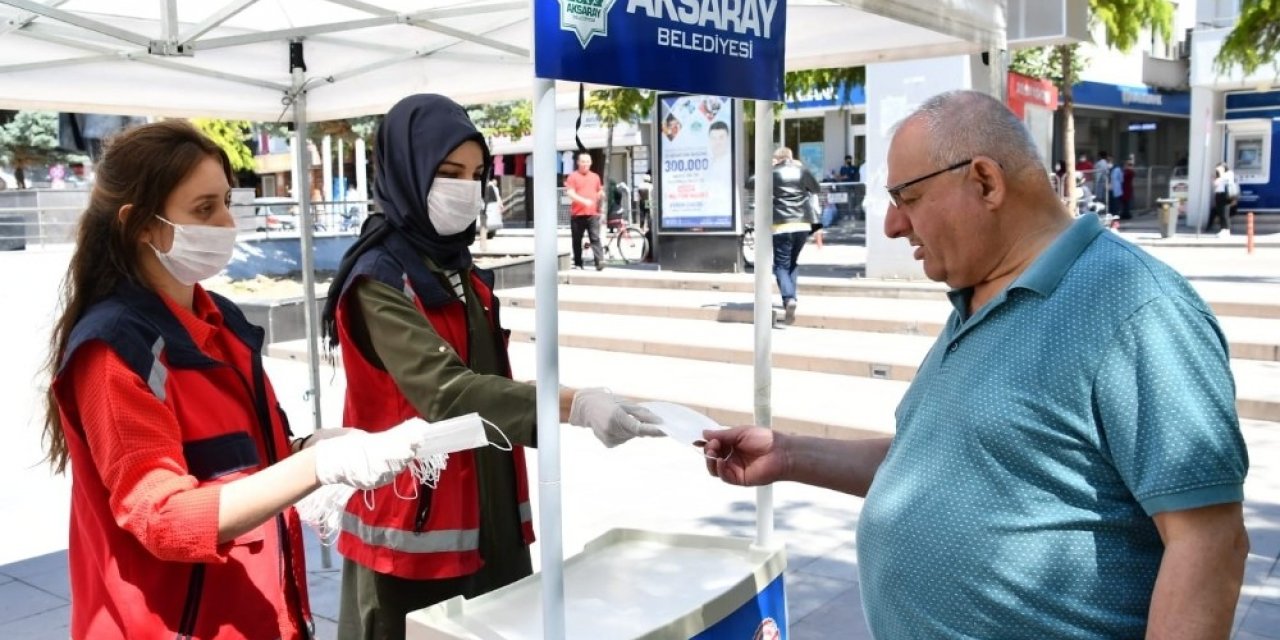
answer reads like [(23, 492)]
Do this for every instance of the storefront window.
[(802, 130)]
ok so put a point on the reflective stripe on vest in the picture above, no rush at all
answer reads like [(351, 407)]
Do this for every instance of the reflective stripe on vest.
[(408, 289), (448, 540), (526, 512), (159, 374)]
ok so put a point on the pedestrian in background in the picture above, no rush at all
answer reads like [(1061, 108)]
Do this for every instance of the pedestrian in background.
[(795, 216), (586, 193), (1116, 190), (183, 467), (1070, 445), (849, 171), (1101, 172), (1220, 210), (1126, 194)]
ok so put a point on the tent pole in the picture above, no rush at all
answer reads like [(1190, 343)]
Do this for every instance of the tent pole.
[(546, 275), (764, 303), (302, 193)]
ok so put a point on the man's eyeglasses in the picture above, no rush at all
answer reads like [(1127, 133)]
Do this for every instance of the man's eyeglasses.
[(895, 192)]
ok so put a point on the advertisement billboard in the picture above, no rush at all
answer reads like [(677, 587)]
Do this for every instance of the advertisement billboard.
[(696, 162)]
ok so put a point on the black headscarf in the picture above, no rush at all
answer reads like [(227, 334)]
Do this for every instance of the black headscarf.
[(415, 137)]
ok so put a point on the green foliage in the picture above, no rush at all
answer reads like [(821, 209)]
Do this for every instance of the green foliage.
[(797, 84), (1046, 62), (346, 129), (619, 105), (510, 119), (30, 138), (1124, 20), (231, 136), (1254, 41)]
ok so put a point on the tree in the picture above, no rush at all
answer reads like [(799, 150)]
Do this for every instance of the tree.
[(1254, 41), (510, 119), (796, 84), (30, 139), (346, 129), (230, 136), (1123, 22), (614, 106)]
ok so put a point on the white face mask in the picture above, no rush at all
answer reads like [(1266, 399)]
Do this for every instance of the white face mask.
[(447, 436), (199, 251), (453, 205)]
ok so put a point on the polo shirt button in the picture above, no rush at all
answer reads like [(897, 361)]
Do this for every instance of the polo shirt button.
[(955, 346)]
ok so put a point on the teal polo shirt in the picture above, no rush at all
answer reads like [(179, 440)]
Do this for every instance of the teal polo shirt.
[(1037, 440)]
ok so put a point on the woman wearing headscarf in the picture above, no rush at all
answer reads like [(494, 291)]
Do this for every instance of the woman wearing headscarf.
[(418, 326)]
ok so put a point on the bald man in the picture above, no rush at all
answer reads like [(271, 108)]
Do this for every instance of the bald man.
[(1067, 462)]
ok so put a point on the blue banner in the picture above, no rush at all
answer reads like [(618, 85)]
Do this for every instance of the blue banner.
[(720, 47), (763, 618), (1143, 99)]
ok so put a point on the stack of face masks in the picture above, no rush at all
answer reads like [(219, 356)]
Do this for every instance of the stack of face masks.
[(322, 509)]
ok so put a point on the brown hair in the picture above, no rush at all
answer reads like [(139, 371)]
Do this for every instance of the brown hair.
[(140, 167)]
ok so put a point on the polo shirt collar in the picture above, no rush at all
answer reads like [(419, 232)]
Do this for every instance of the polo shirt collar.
[(1048, 269)]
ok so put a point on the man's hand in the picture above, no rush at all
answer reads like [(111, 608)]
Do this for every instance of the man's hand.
[(746, 456)]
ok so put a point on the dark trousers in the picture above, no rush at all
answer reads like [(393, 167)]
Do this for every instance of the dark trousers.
[(786, 257), (1220, 212), (590, 224)]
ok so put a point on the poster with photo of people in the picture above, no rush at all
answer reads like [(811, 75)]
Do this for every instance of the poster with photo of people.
[(695, 162)]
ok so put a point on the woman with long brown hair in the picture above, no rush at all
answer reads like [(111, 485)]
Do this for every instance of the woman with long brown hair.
[(183, 465)]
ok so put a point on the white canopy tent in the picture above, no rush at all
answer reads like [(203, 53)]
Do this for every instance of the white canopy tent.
[(232, 59)]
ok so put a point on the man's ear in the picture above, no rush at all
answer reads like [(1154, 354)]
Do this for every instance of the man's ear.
[(992, 179)]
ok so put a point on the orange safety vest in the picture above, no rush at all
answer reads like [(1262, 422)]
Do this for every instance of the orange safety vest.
[(231, 426), (437, 535)]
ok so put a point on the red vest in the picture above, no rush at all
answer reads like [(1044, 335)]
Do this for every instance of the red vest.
[(231, 426), (436, 535)]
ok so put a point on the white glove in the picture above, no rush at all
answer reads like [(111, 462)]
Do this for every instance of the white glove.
[(612, 420), (368, 460)]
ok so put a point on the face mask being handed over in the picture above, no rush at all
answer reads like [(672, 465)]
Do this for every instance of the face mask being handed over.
[(453, 205), (199, 251)]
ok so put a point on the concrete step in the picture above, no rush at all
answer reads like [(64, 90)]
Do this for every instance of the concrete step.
[(909, 315), (745, 283), (1244, 299), (806, 402), (1250, 338), (855, 354), (1257, 389)]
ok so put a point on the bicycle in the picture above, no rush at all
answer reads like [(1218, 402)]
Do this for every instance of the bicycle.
[(624, 242)]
